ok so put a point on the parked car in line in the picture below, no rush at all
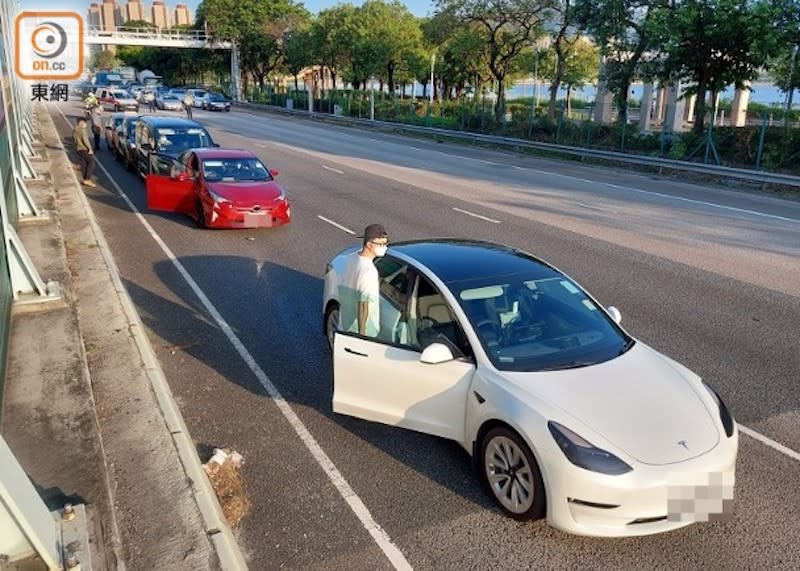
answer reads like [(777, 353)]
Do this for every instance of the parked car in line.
[(168, 102), (197, 96), (215, 102), (112, 123), (220, 188), (160, 138), (116, 99), (565, 414), (126, 141)]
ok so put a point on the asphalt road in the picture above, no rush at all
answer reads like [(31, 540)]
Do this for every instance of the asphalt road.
[(709, 276)]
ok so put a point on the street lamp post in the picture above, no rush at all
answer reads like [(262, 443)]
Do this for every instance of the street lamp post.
[(433, 64)]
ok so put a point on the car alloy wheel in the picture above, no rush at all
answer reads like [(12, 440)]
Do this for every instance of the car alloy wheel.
[(512, 475), (331, 323)]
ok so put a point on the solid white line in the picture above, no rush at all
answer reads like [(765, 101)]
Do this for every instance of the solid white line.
[(468, 213), (769, 442), (383, 540), (332, 169), (332, 223)]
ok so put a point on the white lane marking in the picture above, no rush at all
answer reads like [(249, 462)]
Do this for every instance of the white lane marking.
[(572, 177), (769, 442), (332, 223), (377, 531), (327, 168), (468, 213), (380, 536)]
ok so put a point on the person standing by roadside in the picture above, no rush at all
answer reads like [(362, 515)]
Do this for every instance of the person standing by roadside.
[(187, 105), (84, 148), (150, 98), (97, 127), (359, 292)]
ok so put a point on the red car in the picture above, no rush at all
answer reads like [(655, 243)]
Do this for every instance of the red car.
[(219, 188)]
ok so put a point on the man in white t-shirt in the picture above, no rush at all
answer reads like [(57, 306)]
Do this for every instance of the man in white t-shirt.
[(359, 291)]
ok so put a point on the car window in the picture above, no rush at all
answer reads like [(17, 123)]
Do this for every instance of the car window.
[(432, 320), (413, 313), (535, 324), (235, 169), (174, 141)]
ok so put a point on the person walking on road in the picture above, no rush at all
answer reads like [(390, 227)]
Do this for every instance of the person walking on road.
[(187, 105), (358, 295), (84, 148), (150, 98), (97, 127)]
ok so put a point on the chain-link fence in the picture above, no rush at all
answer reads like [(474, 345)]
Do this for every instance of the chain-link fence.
[(766, 142)]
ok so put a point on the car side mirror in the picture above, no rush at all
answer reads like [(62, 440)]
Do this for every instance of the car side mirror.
[(436, 353), (615, 314), (146, 147), (273, 172), (215, 144)]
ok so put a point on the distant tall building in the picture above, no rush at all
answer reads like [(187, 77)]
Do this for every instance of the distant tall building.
[(110, 16), (94, 15), (182, 15), (134, 10), (160, 15)]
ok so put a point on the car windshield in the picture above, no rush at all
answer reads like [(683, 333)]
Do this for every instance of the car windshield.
[(174, 141), (542, 324), (121, 95), (235, 169), (216, 97)]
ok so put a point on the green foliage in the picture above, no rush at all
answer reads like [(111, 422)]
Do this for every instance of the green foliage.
[(507, 27), (104, 60), (713, 44)]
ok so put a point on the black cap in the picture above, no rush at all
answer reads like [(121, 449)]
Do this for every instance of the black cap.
[(374, 231)]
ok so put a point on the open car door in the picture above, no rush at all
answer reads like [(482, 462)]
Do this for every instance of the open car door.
[(390, 384), (169, 189)]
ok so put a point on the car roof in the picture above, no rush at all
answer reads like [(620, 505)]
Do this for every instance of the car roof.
[(156, 121), (218, 153), (454, 260)]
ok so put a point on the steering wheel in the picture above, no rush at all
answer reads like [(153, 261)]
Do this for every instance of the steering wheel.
[(489, 328)]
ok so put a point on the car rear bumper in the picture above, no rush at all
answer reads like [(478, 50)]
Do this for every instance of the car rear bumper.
[(649, 500)]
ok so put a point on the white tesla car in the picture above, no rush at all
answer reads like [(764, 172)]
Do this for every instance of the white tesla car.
[(564, 413)]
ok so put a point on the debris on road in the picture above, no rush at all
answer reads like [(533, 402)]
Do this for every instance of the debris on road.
[(224, 471)]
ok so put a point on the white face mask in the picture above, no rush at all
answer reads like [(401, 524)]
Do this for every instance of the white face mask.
[(380, 251)]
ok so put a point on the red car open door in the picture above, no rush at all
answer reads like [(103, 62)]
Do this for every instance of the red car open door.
[(169, 189)]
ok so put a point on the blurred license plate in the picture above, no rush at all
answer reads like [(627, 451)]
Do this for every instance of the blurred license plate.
[(260, 220)]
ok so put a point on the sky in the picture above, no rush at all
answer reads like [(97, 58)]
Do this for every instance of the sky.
[(417, 7)]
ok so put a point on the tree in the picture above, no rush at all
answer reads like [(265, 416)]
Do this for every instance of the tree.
[(259, 27), (392, 36), (712, 44), (105, 59), (564, 40), (628, 33), (298, 52), (460, 51), (139, 24), (507, 28)]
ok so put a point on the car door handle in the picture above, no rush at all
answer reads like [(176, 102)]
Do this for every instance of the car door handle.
[(349, 350)]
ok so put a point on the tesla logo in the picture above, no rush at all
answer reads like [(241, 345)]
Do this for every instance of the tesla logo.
[(683, 443), (256, 208)]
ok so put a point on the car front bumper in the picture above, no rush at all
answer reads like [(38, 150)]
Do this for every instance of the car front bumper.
[(226, 216), (648, 500)]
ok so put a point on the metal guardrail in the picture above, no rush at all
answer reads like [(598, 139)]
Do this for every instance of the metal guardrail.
[(749, 175)]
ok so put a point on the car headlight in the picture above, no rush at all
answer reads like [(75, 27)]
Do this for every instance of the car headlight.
[(584, 454), (219, 199), (724, 413)]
